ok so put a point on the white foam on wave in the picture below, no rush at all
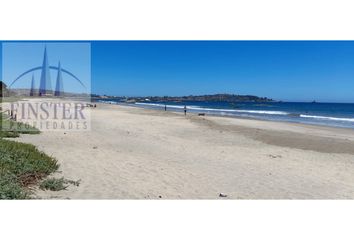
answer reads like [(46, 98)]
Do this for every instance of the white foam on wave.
[(222, 111), (328, 118), (160, 105), (215, 109), (240, 111), (109, 102)]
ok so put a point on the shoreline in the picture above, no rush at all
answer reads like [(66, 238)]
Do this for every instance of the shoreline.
[(315, 126), (233, 116), (287, 136), (137, 153)]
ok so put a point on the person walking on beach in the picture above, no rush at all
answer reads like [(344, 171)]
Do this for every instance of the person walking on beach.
[(185, 110), (165, 107)]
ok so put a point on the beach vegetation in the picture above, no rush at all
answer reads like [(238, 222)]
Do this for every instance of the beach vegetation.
[(21, 165), (12, 129), (57, 184)]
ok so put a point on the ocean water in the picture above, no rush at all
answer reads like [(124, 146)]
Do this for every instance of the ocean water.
[(327, 114)]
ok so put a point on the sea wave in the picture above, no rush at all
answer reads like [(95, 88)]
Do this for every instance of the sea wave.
[(255, 112), (159, 105), (109, 102), (199, 108), (241, 111), (327, 118)]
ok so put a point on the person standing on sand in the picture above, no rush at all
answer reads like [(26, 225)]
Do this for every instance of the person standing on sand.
[(185, 110), (165, 107)]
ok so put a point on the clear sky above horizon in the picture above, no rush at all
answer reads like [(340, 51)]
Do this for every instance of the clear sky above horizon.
[(282, 70)]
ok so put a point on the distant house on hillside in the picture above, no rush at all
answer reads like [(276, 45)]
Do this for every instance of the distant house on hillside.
[(3, 89)]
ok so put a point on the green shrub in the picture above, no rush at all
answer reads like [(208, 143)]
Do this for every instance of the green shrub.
[(22, 165), (53, 184), (10, 188), (57, 184), (11, 129)]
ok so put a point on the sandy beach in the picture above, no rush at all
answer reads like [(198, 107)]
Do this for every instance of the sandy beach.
[(135, 153)]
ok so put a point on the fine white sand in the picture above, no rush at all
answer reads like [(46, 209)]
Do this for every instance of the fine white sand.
[(134, 153)]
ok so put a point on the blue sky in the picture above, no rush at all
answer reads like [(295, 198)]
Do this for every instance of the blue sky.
[(282, 70)]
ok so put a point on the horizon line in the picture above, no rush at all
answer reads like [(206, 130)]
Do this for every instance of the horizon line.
[(275, 100)]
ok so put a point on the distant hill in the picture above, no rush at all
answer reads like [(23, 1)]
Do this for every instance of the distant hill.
[(209, 98), (25, 92), (200, 98)]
